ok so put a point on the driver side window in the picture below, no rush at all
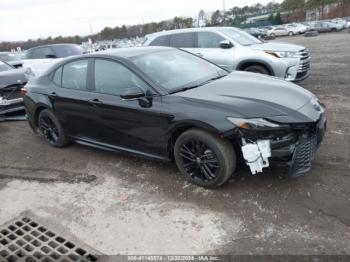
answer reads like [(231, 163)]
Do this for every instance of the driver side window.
[(112, 78)]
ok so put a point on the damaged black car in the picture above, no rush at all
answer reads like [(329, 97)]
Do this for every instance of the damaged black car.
[(11, 82), (166, 104)]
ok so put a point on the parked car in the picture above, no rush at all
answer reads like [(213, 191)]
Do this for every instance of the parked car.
[(296, 28), (260, 34), (341, 22), (11, 82), (234, 49), (11, 58), (37, 59), (167, 104), (323, 27), (280, 31)]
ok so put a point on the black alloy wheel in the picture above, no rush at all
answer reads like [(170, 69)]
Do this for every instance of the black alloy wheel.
[(50, 129), (199, 160), (204, 159)]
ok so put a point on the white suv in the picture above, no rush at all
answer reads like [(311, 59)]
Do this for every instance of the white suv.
[(234, 49)]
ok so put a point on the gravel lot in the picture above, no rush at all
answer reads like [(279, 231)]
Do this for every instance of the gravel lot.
[(123, 205)]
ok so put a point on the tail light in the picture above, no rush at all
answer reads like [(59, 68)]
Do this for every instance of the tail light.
[(24, 91)]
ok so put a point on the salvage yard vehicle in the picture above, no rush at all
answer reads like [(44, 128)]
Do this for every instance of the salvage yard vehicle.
[(323, 27), (281, 31), (11, 82), (167, 104), (11, 58), (234, 49), (40, 58)]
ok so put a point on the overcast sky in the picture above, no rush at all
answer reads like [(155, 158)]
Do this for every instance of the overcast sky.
[(24, 19)]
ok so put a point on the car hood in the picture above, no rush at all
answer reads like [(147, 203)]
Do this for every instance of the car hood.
[(12, 77), (277, 47), (251, 95)]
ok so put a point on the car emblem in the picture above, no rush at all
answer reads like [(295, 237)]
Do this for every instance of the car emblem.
[(19, 81)]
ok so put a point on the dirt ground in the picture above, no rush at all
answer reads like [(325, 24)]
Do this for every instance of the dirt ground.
[(133, 206)]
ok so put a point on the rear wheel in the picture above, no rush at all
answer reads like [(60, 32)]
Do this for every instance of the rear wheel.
[(257, 69), (50, 129), (204, 159)]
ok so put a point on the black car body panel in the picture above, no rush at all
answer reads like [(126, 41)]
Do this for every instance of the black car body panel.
[(148, 126), (11, 101)]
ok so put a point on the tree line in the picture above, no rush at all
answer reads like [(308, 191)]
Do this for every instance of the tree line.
[(231, 17)]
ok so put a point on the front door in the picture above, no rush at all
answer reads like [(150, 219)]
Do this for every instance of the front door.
[(208, 47), (134, 125)]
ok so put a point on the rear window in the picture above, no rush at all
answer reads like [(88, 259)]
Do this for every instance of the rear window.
[(182, 40), (67, 50)]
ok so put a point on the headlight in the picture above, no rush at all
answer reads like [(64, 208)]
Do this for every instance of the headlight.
[(253, 123), (282, 54)]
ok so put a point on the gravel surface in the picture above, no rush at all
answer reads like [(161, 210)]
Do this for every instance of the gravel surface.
[(134, 206)]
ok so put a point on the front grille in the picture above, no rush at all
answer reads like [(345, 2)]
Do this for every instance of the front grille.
[(303, 155), (304, 57)]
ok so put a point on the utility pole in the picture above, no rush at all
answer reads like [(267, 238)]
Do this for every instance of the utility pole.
[(224, 8)]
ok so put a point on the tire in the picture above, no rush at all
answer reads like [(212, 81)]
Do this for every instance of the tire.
[(51, 130), (333, 30), (257, 69), (205, 160), (273, 36), (290, 33)]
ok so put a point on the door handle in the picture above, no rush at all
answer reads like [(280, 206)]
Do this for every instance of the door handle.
[(199, 54), (95, 101)]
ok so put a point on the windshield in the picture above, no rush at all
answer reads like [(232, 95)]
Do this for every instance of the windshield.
[(175, 69), (67, 50), (4, 67), (9, 57), (240, 37)]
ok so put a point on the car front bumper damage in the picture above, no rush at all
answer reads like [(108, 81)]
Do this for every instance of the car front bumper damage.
[(295, 150), (11, 103)]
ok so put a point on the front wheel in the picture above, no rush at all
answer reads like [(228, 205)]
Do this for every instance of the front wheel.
[(290, 33), (204, 159), (50, 129)]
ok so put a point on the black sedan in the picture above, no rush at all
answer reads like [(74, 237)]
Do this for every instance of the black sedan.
[(166, 104)]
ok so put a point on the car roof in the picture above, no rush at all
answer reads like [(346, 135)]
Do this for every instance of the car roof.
[(63, 44), (129, 52), (189, 30)]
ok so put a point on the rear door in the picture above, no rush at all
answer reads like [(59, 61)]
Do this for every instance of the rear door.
[(70, 97)]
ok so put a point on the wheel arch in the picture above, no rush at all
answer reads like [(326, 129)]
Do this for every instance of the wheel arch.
[(175, 131), (246, 63)]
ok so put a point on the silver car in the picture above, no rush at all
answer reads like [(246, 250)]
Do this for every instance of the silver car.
[(234, 49)]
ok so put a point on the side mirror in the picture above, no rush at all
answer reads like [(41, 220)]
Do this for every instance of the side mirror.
[(132, 93), (51, 56), (226, 44)]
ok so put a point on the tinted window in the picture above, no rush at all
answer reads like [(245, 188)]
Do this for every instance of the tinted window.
[(209, 40), (112, 78), (41, 52), (173, 69), (160, 41), (184, 40), (74, 75), (57, 76), (67, 50)]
